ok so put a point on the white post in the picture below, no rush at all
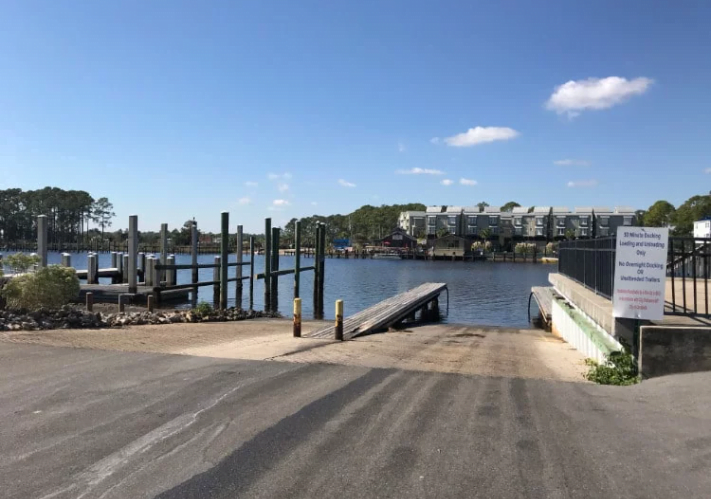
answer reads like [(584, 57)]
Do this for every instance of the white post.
[(124, 268), (133, 249), (91, 268), (42, 239), (66, 260), (164, 252), (148, 271), (171, 274)]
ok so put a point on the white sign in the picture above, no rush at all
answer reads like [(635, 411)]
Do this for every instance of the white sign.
[(640, 272)]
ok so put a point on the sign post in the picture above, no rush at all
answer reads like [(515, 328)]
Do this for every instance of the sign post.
[(640, 272)]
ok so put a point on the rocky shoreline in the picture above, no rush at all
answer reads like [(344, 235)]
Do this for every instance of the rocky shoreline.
[(75, 318)]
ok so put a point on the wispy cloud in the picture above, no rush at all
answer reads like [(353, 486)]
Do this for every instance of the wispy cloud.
[(467, 181), (572, 162), (251, 184), (280, 202), (435, 140), (446, 182), (707, 170), (573, 97), (401, 146), (283, 187), (344, 183), (279, 176), (420, 171), (244, 201), (582, 183), (481, 135)]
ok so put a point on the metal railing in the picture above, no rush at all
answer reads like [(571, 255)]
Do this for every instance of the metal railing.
[(591, 263)]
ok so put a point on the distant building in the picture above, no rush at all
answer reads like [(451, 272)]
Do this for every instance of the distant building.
[(702, 228), (561, 220), (583, 222), (413, 222), (399, 238), (450, 246)]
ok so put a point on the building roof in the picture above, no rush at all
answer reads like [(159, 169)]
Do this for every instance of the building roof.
[(560, 210), (453, 209), (413, 213), (492, 210), (602, 210), (541, 210), (471, 209), (583, 211), (505, 215), (519, 210), (625, 210), (434, 209)]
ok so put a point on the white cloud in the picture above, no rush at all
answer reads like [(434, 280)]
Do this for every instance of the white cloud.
[(582, 183), (243, 201), (280, 202), (481, 135), (344, 183), (420, 171), (595, 93), (435, 140), (278, 176), (402, 147), (251, 184), (446, 182), (283, 187), (572, 162), (466, 181), (707, 170)]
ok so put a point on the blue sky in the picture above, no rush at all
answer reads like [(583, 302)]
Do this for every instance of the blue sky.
[(179, 109)]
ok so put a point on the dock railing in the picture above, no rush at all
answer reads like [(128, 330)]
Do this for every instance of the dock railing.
[(591, 263)]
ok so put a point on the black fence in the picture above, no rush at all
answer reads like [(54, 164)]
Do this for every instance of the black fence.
[(591, 263)]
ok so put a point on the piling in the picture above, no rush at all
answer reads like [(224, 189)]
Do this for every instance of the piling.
[(298, 246), (149, 302), (114, 263), (125, 260), (297, 318), (90, 301), (194, 263), (216, 280), (322, 245), (224, 235), (315, 287), (92, 268), (239, 269), (149, 272), (66, 260), (121, 303), (274, 267), (163, 238), (42, 239), (268, 262), (131, 264), (141, 263), (171, 274), (252, 272), (339, 320)]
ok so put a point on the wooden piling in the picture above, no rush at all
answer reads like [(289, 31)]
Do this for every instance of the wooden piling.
[(339, 320), (315, 290), (323, 245), (133, 249), (298, 245), (274, 267), (297, 318), (239, 269), (125, 268), (149, 272), (268, 262), (121, 303), (171, 274), (42, 239), (149, 302), (252, 272), (194, 253), (90, 301), (224, 235), (216, 280), (163, 239), (92, 268)]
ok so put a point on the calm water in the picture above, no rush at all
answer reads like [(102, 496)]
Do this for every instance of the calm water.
[(483, 293)]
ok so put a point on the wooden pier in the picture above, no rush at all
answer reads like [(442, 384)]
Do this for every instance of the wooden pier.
[(110, 293), (390, 312), (543, 296)]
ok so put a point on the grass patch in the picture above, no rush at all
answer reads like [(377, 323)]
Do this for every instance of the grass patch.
[(620, 369)]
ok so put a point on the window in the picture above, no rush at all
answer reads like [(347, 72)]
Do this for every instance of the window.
[(560, 231), (472, 230), (628, 220), (493, 220), (539, 221), (518, 222), (472, 220), (604, 221), (583, 232), (431, 229), (560, 221), (584, 221), (432, 221), (604, 231), (452, 220), (539, 231), (452, 230)]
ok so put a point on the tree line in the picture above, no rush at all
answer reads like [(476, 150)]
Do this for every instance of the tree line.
[(68, 214)]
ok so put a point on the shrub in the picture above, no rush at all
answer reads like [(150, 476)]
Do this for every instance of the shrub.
[(203, 309), (21, 262), (619, 369), (480, 245), (526, 248), (49, 287), (551, 248)]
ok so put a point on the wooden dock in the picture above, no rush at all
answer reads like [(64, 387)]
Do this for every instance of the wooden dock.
[(543, 296), (389, 312), (109, 293)]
